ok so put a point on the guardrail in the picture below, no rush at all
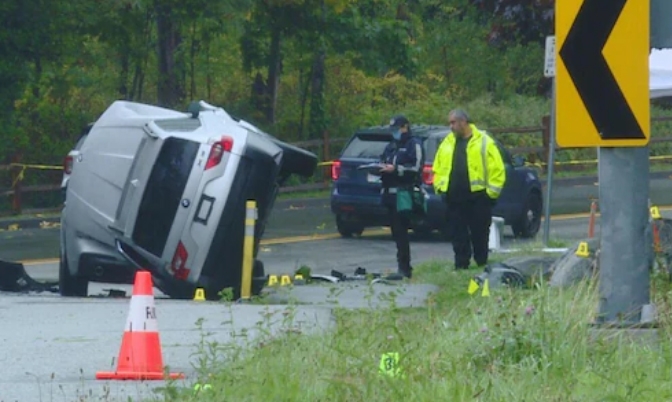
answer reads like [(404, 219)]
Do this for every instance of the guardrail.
[(50, 176)]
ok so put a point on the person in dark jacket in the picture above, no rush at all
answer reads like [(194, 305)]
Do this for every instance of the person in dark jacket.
[(401, 174)]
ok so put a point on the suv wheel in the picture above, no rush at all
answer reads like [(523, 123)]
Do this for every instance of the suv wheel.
[(528, 224), (347, 229), (68, 284)]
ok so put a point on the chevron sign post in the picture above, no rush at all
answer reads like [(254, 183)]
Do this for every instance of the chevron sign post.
[(602, 101)]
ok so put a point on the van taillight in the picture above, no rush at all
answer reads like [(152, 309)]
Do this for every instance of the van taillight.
[(177, 265), (335, 170), (217, 151), (67, 164), (427, 175)]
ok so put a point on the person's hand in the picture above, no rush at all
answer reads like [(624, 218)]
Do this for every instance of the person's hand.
[(387, 168)]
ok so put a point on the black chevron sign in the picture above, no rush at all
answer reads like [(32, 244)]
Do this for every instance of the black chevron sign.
[(593, 79)]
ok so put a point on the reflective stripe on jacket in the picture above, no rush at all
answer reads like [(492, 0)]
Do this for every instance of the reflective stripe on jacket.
[(484, 161)]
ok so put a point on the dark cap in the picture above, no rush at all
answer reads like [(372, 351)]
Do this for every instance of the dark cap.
[(398, 121)]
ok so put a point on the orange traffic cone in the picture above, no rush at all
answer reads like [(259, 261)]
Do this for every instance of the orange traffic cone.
[(140, 354)]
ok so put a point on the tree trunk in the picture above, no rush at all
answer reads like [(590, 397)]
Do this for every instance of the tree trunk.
[(123, 74), (316, 123), (170, 88), (208, 72), (192, 62), (304, 99), (38, 76), (274, 71)]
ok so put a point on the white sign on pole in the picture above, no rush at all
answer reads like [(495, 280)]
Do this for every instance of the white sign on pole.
[(549, 57)]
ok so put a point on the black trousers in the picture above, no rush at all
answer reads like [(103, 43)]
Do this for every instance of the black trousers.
[(469, 221), (399, 224)]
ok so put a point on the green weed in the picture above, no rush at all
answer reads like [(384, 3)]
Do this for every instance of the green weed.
[(522, 345)]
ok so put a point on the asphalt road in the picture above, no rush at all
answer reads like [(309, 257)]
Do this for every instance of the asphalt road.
[(312, 217), (52, 347)]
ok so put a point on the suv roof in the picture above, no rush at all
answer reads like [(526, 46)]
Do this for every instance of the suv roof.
[(369, 142), (420, 130)]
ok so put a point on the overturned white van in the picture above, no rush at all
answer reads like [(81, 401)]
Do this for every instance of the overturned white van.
[(165, 191)]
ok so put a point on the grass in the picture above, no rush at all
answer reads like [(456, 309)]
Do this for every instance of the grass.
[(516, 345)]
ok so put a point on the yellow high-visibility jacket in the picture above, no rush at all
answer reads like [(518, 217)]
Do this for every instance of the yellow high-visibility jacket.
[(484, 162)]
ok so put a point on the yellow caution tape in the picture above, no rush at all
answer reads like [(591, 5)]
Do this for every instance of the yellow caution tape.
[(29, 166), (24, 166)]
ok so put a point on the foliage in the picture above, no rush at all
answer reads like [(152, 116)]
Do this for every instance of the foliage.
[(381, 56), (514, 345), (336, 65)]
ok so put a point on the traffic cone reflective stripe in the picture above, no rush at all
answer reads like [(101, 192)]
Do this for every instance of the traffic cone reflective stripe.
[(140, 355)]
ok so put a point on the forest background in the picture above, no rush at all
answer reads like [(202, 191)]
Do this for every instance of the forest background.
[(294, 67)]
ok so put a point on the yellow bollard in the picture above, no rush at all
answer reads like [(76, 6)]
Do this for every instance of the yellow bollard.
[(248, 249)]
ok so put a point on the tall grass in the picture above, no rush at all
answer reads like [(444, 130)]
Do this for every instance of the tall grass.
[(516, 345)]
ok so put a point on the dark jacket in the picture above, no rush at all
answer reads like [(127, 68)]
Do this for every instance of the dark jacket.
[(408, 158)]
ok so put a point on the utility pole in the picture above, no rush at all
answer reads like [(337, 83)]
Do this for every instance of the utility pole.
[(549, 72)]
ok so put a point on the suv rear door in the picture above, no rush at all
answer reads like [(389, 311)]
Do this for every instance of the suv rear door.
[(162, 179), (363, 148)]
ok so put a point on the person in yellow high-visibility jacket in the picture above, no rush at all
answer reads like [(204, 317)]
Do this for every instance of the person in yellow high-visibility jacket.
[(469, 173)]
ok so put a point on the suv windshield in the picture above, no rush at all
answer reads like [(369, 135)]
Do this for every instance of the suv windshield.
[(366, 146)]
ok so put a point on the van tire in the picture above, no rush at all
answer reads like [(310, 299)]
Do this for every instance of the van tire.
[(70, 285)]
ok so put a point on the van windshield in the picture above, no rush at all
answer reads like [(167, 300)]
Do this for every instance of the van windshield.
[(163, 194)]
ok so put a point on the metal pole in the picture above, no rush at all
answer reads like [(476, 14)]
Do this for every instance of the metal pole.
[(623, 258), (248, 248), (549, 173)]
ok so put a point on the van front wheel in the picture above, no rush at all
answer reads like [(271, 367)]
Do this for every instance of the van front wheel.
[(70, 285)]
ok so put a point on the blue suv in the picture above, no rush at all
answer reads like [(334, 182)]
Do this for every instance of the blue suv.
[(356, 201)]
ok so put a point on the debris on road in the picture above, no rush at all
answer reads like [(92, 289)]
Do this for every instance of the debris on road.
[(572, 268), (14, 278)]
